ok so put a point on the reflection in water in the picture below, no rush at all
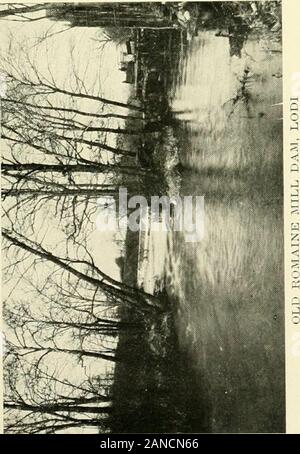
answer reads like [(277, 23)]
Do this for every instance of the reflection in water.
[(228, 288)]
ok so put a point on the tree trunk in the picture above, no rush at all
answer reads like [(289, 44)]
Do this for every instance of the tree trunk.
[(120, 291)]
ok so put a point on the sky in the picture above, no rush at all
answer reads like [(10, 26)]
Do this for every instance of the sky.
[(64, 52)]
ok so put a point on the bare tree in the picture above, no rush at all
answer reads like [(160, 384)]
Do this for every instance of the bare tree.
[(65, 312), (57, 329), (23, 11), (85, 270), (66, 146), (29, 80), (49, 134), (38, 400), (56, 150)]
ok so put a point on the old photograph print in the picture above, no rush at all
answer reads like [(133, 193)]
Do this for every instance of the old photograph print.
[(142, 215)]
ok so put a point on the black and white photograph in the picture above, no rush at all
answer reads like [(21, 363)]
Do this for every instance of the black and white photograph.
[(142, 217)]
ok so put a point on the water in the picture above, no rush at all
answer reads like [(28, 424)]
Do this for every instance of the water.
[(227, 290)]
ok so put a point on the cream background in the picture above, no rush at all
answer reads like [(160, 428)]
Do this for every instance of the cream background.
[(291, 62)]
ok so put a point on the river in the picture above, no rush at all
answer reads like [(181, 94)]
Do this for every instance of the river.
[(227, 289)]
